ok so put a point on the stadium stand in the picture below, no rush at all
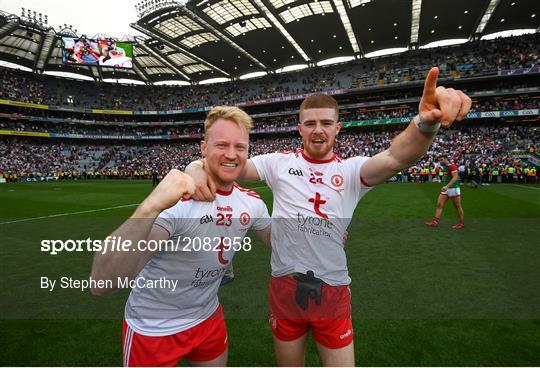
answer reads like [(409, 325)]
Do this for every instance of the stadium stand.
[(265, 122), (475, 59), (91, 130), (486, 147)]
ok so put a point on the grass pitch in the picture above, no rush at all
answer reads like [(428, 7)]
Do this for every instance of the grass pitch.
[(421, 296)]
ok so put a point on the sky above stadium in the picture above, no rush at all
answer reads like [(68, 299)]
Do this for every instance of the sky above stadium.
[(112, 18), (88, 17)]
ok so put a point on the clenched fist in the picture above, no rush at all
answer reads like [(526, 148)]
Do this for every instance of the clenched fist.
[(174, 186)]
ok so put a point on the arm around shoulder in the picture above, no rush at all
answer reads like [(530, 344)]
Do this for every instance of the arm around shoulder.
[(250, 171)]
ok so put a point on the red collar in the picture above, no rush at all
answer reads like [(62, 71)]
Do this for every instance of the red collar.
[(225, 193), (314, 161)]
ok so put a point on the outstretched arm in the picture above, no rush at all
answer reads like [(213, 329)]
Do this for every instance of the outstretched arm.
[(438, 106), (114, 264)]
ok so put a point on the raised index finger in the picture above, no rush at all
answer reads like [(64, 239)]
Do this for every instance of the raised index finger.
[(430, 84)]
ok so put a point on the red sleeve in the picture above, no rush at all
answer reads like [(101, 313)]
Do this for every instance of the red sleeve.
[(453, 168)]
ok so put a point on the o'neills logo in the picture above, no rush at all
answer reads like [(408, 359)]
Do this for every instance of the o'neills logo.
[(346, 334), (244, 218), (316, 177), (225, 209)]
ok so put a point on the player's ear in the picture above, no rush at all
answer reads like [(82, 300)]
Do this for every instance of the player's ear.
[(338, 127), (203, 148), (299, 128)]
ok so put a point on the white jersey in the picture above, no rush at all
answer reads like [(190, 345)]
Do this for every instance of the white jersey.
[(314, 202), (162, 311)]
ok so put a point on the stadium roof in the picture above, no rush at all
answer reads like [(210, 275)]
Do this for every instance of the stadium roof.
[(208, 39)]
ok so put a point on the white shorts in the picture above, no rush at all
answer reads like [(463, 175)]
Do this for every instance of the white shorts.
[(452, 192)]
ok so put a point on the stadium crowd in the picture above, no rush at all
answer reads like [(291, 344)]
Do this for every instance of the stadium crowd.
[(267, 123), (87, 129), (485, 152), (22, 87), (474, 58)]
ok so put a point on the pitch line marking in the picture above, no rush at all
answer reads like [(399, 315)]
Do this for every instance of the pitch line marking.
[(524, 186), (69, 213), (81, 212)]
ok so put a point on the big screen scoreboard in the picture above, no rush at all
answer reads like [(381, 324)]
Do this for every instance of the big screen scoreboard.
[(105, 52)]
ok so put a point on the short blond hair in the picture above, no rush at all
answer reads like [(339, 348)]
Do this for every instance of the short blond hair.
[(239, 116)]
